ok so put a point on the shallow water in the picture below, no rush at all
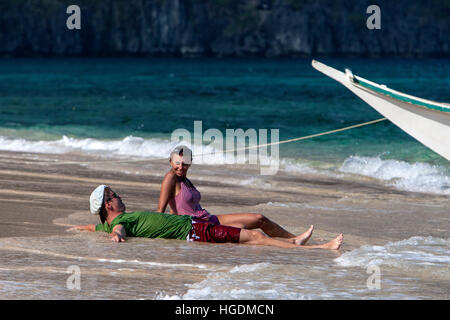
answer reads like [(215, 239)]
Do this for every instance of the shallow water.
[(170, 269)]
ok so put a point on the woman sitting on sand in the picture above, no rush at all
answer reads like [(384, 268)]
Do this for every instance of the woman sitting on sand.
[(184, 199)]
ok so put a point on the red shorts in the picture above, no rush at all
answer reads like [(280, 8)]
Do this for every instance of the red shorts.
[(217, 233)]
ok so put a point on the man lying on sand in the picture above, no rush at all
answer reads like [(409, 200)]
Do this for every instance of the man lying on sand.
[(120, 224)]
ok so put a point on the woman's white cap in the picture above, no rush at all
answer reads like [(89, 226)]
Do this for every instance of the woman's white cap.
[(96, 199), (187, 153)]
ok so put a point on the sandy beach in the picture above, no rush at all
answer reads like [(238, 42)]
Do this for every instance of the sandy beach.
[(43, 195), (36, 192)]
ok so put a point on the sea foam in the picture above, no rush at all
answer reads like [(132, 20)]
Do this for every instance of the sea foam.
[(428, 255), (248, 281), (129, 146), (416, 177)]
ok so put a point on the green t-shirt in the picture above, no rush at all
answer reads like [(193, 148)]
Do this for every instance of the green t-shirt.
[(149, 224)]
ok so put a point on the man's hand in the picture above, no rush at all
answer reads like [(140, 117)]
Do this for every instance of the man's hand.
[(118, 234), (117, 237)]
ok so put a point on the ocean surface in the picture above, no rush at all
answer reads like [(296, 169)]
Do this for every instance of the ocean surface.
[(116, 109), (130, 107)]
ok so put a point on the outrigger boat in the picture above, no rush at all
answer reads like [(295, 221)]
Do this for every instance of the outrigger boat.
[(425, 120)]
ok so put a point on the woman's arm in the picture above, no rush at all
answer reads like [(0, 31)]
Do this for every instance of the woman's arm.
[(167, 191)]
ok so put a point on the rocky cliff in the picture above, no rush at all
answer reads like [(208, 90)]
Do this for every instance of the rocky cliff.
[(269, 28)]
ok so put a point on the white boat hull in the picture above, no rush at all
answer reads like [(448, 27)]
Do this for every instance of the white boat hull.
[(428, 126)]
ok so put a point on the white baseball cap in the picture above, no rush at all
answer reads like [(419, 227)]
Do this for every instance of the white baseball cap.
[(96, 199), (187, 153)]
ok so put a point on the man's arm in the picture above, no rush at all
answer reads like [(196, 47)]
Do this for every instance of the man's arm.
[(118, 233), (88, 227)]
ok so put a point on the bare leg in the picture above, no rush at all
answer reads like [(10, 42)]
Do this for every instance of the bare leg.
[(301, 239), (304, 237), (258, 238), (255, 221)]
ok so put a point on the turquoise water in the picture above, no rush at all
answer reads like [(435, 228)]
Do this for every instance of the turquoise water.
[(110, 99)]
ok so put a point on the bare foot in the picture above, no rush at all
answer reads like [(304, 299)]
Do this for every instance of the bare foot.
[(334, 244), (304, 237)]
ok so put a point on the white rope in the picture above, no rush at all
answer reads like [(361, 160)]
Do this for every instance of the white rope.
[(305, 137)]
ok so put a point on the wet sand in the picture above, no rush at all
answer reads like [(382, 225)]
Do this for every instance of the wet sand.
[(42, 195), (36, 192)]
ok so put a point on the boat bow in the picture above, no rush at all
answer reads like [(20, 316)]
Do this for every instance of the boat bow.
[(425, 120)]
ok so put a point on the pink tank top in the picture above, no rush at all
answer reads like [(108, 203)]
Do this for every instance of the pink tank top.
[(188, 202)]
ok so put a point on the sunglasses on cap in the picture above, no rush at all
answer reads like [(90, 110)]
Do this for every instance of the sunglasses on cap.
[(114, 195)]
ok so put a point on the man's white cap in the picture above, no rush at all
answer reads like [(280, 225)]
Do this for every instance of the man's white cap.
[(96, 199)]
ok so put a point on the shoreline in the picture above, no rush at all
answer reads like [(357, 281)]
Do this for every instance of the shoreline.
[(36, 192)]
